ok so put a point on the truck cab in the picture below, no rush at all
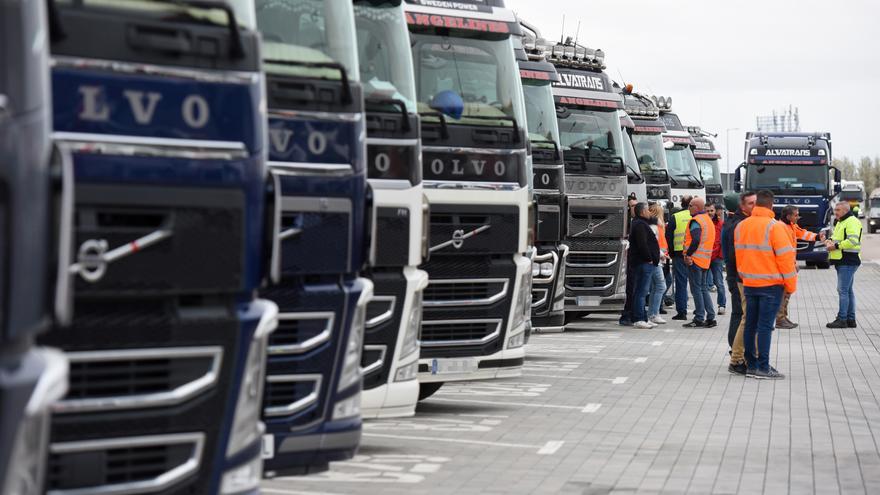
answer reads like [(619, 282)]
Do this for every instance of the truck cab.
[(167, 343), (873, 212), (477, 306), (708, 160), (684, 174), (317, 133), (587, 107), (647, 138), (35, 214), (548, 268), (853, 192), (398, 237), (796, 167)]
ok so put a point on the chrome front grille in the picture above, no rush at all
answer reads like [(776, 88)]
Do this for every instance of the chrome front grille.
[(588, 282), (373, 358), (459, 332), (465, 292), (591, 259), (380, 309), (286, 395), (147, 464), (138, 378), (299, 333)]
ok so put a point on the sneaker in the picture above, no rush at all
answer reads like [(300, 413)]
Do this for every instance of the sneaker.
[(737, 369), (680, 316), (653, 325), (658, 320), (643, 325), (625, 323), (695, 324), (793, 324), (721, 310), (663, 311), (750, 371), (783, 324), (770, 374), (851, 324), (837, 323), (710, 324), (668, 302), (713, 289)]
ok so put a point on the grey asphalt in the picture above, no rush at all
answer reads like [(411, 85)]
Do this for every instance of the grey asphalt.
[(605, 409)]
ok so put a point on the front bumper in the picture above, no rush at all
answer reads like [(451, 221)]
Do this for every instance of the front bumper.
[(503, 364)]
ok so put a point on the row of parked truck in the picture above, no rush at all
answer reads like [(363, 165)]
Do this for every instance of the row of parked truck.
[(232, 230)]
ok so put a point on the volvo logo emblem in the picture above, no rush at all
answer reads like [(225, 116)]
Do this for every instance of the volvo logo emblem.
[(591, 227), (458, 238), (93, 256)]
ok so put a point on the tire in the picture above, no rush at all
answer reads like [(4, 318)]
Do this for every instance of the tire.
[(823, 265), (428, 389), (811, 264)]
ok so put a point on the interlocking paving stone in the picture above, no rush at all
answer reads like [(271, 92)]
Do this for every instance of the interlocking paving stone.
[(672, 422)]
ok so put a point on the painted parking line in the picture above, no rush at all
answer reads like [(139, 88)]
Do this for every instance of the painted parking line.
[(384, 468), (548, 448), (619, 380), (289, 491), (518, 404)]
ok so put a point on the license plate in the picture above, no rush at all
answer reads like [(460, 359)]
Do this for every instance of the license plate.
[(588, 301), (452, 366), (268, 446)]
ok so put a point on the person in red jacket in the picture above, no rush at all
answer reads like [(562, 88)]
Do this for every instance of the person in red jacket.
[(716, 268)]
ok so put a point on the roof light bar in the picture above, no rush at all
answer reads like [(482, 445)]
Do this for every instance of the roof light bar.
[(570, 55), (664, 103)]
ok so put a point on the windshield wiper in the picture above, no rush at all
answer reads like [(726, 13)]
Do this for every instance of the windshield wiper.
[(672, 180), (512, 120), (557, 154), (692, 179), (635, 172), (374, 104), (343, 76)]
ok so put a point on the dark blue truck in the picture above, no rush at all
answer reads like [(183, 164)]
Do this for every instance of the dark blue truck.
[(797, 168), (163, 115), (317, 150)]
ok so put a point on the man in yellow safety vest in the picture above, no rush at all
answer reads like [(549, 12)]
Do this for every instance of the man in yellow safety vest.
[(844, 252)]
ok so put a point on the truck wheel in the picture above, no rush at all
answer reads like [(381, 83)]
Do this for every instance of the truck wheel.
[(428, 389), (811, 264), (823, 265)]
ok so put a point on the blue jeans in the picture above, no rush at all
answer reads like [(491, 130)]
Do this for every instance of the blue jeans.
[(680, 273), (846, 275), (716, 269), (703, 309), (644, 273), (762, 304), (658, 288)]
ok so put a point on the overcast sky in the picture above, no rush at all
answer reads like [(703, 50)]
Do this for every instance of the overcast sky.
[(724, 63)]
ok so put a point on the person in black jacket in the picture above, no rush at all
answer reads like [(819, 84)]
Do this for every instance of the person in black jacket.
[(644, 254), (734, 283), (626, 316)]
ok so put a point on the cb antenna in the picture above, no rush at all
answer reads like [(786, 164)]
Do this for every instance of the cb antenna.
[(562, 36), (577, 33)]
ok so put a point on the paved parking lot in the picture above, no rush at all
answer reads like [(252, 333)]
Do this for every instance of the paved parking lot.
[(603, 409)]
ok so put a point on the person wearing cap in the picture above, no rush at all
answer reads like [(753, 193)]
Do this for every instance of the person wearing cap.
[(844, 252), (790, 216), (766, 263), (699, 240), (675, 233), (741, 205)]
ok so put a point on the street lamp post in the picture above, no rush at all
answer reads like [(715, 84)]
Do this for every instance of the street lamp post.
[(727, 138)]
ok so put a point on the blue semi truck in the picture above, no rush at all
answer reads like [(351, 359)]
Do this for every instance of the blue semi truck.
[(317, 149), (163, 114), (796, 167)]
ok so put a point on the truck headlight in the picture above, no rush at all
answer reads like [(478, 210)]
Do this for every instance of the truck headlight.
[(547, 269), (351, 361), (407, 372), (522, 309), (246, 425), (536, 269), (413, 325), (873, 222), (244, 478), (347, 408)]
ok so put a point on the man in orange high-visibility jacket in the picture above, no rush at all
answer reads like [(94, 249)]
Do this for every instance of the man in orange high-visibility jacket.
[(765, 258), (699, 240), (790, 216)]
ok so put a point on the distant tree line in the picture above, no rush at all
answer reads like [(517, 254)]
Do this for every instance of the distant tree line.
[(867, 170)]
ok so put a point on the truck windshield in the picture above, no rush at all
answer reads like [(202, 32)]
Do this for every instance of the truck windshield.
[(875, 202), (593, 135), (709, 171), (308, 32), (852, 195), (682, 166), (787, 179), (384, 54), (541, 113), (470, 80), (651, 155), (629, 156), (178, 12)]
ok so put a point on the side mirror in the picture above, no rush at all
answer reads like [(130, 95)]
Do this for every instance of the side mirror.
[(738, 179), (837, 180)]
